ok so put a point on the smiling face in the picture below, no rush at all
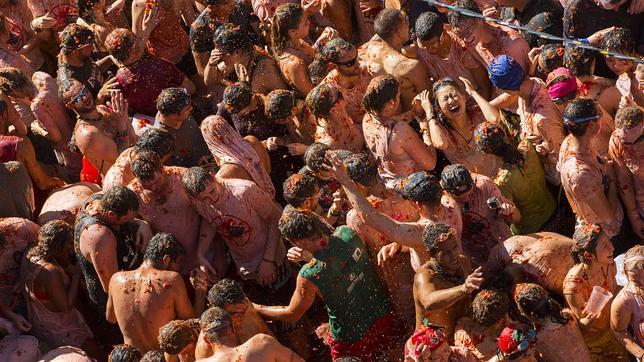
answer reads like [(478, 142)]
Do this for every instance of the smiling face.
[(447, 256), (604, 250), (348, 64), (450, 101)]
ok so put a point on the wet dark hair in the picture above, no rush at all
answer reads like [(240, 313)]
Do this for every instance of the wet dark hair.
[(534, 302), (552, 57), (628, 117), (387, 22), (163, 244), (454, 17), (153, 356), (545, 22), (12, 79), (51, 239), (318, 69), (579, 60), (230, 40), (155, 140), (297, 225), (214, 323), (362, 169), (279, 104), (421, 187), (214, 2), (315, 156), (120, 200), (619, 40), (224, 292), (490, 306), (194, 180), (320, 101), (456, 176), (172, 101), (177, 334), (381, 90), (333, 50), (299, 187), (125, 353), (586, 238), (431, 236), (237, 96), (119, 43), (579, 108), (429, 26), (491, 138), (287, 17), (146, 165)]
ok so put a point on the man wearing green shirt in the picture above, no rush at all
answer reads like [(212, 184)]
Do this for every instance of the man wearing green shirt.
[(361, 319)]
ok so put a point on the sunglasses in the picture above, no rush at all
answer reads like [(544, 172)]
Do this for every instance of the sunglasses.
[(349, 63), (84, 92)]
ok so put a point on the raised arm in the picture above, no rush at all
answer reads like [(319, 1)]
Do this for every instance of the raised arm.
[(99, 244), (432, 298), (490, 113), (301, 301)]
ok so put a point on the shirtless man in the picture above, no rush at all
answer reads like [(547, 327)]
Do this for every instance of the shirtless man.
[(145, 299), (164, 204), (64, 203), (542, 258), (152, 140), (397, 274), (245, 217), (101, 132), (441, 290), (392, 30), (420, 188), (234, 48), (221, 336)]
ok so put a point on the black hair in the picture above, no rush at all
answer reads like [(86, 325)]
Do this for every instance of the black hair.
[(619, 40), (279, 104), (297, 225), (362, 169), (552, 57), (490, 306), (145, 165), (454, 17), (12, 79), (120, 200), (299, 187), (231, 40), (334, 49), (177, 334), (491, 138), (534, 302), (172, 101), (387, 22), (195, 179), (155, 140), (315, 156), (214, 323), (432, 236), (153, 356), (579, 60), (545, 22), (51, 238), (224, 292), (421, 187), (214, 2), (429, 26), (238, 96), (454, 177), (579, 108), (586, 238), (125, 353), (320, 100), (628, 117), (381, 90), (163, 244), (119, 43), (287, 17), (318, 69)]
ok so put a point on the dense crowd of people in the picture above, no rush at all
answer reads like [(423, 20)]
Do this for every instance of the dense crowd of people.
[(346, 180)]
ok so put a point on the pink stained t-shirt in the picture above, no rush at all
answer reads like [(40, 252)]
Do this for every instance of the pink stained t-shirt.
[(19, 234), (19, 348), (50, 113), (241, 217), (541, 117), (582, 176), (631, 156), (174, 214)]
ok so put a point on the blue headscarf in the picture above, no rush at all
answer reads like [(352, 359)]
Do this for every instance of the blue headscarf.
[(505, 73)]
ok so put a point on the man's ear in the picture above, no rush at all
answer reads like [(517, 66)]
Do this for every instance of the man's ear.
[(166, 260)]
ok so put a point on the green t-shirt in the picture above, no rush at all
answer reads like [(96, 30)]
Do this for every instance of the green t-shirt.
[(526, 186), (349, 287)]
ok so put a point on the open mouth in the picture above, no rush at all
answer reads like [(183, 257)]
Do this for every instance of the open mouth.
[(454, 109)]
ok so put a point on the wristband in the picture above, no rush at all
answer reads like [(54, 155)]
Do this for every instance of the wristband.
[(584, 40)]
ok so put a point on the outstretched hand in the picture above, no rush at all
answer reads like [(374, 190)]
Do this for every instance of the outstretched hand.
[(337, 167), (473, 281), (387, 252), (469, 88)]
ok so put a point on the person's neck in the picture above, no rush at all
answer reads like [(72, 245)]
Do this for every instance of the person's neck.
[(636, 282), (433, 213), (444, 45), (72, 60), (91, 116), (495, 329), (226, 343), (378, 190), (462, 122), (295, 44), (394, 43), (581, 144), (525, 89), (347, 81), (171, 122)]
